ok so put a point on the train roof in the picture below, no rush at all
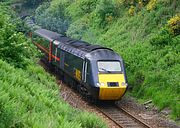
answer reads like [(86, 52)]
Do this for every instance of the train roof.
[(49, 35), (77, 47)]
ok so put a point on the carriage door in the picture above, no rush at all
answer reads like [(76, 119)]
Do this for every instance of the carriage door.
[(58, 56), (62, 55), (55, 51), (84, 72)]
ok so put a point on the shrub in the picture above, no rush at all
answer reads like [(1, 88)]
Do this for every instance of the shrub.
[(174, 25), (151, 5), (12, 43), (15, 48), (87, 6), (132, 10), (140, 4), (77, 29), (162, 38), (33, 3), (105, 10), (52, 17)]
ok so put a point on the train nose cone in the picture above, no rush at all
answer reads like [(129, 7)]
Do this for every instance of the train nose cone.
[(114, 87)]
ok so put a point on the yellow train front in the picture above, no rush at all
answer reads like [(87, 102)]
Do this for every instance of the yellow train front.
[(105, 77)]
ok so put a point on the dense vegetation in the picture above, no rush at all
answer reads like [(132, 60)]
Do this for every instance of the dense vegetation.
[(29, 97), (146, 33)]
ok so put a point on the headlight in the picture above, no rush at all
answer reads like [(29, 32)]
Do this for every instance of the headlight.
[(100, 84), (124, 84)]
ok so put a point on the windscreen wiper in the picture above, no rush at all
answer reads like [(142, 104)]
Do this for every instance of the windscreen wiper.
[(105, 70)]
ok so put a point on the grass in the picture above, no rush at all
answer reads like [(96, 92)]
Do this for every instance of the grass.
[(30, 98)]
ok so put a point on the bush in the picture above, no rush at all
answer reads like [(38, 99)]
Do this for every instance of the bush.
[(174, 25), (52, 17), (77, 29), (33, 3), (162, 38), (87, 6), (105, 10), (151, 5), (132, 10), (12, 43)]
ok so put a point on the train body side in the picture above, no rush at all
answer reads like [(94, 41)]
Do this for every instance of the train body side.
[(67, 62)]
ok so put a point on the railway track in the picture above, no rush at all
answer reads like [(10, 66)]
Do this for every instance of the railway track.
[(121, 117)]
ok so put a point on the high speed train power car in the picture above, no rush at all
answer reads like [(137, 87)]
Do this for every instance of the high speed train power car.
[(96, 71)]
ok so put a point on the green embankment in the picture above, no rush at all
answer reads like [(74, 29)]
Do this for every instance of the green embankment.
[(30, 97), (145, 33)]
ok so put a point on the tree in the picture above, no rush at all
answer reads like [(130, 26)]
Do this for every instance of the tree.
[(34, 3)]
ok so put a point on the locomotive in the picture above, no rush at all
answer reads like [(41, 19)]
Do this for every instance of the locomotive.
[(97, 72)]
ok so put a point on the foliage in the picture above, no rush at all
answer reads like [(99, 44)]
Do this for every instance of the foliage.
[(87, 6), (162, 38), (151, 5), (13, 44), (174, 25), (30, 98), (77, 29), (88, 121), (105, 12), (52, 18), (132, 10), (33, 3)]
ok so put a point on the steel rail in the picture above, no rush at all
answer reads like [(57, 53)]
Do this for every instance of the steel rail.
[(119, 117), (135, 118), (108, 116)]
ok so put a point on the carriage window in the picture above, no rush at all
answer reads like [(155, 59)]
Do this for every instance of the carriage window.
[(109, 66)]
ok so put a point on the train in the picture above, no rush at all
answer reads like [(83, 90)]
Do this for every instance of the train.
[(96, 72)]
